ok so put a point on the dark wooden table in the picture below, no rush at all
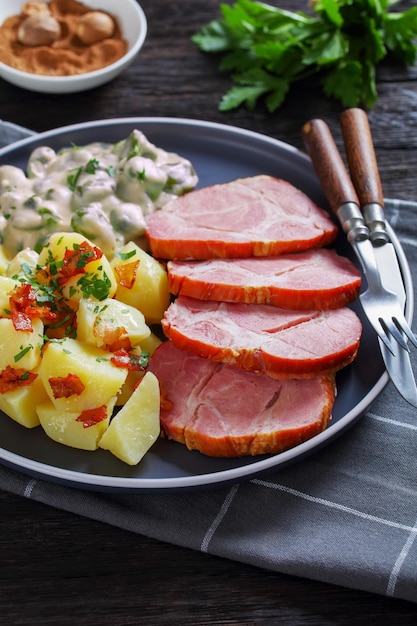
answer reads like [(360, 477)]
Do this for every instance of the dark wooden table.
[(58, 568)]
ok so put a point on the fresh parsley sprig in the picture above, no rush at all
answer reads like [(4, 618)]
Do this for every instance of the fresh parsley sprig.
[(267, 49)]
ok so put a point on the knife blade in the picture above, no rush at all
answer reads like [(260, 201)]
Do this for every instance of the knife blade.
[(404, 381), (364, 172), (344, 202)]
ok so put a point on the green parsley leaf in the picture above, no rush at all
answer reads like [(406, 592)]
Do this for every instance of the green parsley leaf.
[(251, 85), (266, 49), (93, 285), (144, 358), (92, 166), (135, 148), (73, 178), (22, 353), (126, 255), (141, 360)]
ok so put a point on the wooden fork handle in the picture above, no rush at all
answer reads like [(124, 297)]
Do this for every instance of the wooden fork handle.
[(328, 163), (334, 178)]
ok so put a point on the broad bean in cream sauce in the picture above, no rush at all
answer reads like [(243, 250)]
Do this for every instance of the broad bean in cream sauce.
[(100, 190)]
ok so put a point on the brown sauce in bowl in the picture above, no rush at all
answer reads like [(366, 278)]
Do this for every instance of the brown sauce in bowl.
[(67, 55)]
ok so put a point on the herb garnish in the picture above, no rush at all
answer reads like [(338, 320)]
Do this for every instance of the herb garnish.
[(92, 166), (48, 282), (135, 148), (268, 49), (74, 174), (73, 178), (22, 353), (125, 255), (91, 285)]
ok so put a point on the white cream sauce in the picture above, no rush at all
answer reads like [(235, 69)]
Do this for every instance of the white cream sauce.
[(100, 190)]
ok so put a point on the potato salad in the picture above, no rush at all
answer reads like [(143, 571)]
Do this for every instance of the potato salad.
[(75, 340), (101, 190)]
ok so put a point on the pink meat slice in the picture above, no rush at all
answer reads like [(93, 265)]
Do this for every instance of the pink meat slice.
[(315, 279), (226, 412), (282, 343), (257, 216)]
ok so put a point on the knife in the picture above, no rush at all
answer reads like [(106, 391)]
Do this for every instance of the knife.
[(404, 380), (344, 202), (364, 172)]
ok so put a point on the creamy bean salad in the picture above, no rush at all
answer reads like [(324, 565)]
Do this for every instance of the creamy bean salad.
[(101, 190)]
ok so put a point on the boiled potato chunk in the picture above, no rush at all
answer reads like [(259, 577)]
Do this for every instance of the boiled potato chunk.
[(129, 386), (149, 291), (136, 427), (4, 260), (132, 379), (101, 379), (95, 270), (63, 426), (20, 404), (6, 287), (150, 344), (26, 258), (20, 348), (109, 322)]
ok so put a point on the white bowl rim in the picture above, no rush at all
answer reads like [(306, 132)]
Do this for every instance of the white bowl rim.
[(87, 76)]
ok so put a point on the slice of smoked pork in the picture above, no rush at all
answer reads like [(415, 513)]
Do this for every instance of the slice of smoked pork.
[(257, 216), (226, 412), (316, 279), (282, 343)]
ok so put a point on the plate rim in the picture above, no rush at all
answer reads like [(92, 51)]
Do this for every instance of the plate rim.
[(101, 482)]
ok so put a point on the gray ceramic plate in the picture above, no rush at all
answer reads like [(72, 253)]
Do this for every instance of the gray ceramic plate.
[(219, 153)]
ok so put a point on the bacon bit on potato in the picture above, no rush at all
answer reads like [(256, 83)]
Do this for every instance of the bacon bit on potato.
[(126, 274), (60, 324), (125, 359), (11, 378), (62, 387), (75, 261), (24, 308), (90, 417), (22, 297), (21, 321), (114, 337)]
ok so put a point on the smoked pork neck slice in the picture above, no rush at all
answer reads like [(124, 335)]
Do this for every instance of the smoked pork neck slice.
[(316, 279), (282, 343), (226, 412), (257, 216)]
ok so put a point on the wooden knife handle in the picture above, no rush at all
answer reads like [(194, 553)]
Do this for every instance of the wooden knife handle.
[(361, 156), (363, 167), (328, 164)]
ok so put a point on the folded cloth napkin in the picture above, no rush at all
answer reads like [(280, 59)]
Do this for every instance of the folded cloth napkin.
[(347, 515)]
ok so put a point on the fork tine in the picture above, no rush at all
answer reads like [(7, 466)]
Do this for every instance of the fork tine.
[(383, 334), (392, 328), (404, 327), (387, 343)]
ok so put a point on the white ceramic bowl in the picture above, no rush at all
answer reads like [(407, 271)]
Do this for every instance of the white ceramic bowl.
[(133, 24)]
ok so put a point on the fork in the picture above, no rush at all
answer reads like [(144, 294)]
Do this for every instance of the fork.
[(364, 172), (380, 305)]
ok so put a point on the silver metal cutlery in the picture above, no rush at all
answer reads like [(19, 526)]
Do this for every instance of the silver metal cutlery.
[(357, 201)]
